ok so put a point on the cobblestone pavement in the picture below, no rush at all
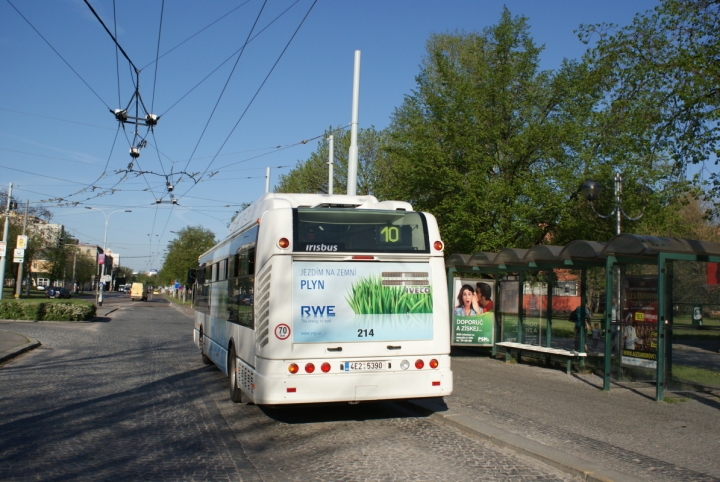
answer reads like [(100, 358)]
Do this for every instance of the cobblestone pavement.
[(129, 398), (624, 428)]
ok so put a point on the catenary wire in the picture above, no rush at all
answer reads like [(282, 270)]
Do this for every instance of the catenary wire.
[(257, 92), (222, 92), (229, 57), (195, 34), (58, 54)]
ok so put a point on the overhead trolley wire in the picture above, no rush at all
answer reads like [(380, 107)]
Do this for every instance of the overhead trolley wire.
[(196, 34), (58, 54), (117, 58), (117, 44), (230, 57), (157, 56), (256, 94), (225, 86)]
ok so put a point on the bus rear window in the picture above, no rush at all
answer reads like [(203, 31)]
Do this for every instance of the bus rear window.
[(359, 230)]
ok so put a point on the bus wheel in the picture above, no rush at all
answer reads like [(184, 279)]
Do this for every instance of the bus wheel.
[(235, 392), (205, 359)]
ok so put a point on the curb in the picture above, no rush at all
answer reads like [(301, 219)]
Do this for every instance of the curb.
[(569, 464), (30, 345)]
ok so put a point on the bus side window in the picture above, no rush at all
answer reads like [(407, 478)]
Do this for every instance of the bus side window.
[(251, 261)]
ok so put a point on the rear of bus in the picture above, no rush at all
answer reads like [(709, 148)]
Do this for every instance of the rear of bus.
[(350, 305)]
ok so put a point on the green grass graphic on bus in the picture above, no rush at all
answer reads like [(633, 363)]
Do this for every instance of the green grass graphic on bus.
[(359, 302), (369, 297)]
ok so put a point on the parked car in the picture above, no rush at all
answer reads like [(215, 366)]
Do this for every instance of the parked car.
[(41, 287), (55, 292)]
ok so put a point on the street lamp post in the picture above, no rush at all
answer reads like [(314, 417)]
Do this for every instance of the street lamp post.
[(98, 291), (590, 190)]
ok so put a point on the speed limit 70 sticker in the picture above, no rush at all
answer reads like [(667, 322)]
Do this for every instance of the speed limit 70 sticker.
[(282, 331)]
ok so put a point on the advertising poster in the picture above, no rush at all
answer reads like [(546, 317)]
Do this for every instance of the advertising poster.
[(639, 322), (473, 312), (357, 302)]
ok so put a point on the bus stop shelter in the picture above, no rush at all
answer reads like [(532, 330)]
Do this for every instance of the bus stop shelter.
[(638, 316)]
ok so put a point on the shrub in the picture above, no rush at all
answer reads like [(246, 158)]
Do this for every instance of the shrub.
[(68, 311), (52, 311)]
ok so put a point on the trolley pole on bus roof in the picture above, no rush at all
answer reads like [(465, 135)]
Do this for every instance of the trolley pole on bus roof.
[(353, 154), (331, 151), (267, 179)]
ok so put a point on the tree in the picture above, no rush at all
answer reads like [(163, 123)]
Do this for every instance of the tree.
[(311, 175), (659, 79), (184, 251), (59, 258), (84, 268), (487, 142)]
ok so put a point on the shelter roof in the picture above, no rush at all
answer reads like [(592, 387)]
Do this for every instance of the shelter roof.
[(510, 256), (543, 252), (651, 246), (580, 249)]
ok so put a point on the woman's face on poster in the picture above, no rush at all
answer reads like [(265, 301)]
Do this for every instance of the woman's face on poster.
[(467, 296)]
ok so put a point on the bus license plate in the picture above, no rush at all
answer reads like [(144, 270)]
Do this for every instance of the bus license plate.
[(365, 365)]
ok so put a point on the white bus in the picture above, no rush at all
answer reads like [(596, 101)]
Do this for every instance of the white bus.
[(326, 298)]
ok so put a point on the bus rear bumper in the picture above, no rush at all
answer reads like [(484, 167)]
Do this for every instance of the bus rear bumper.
[(353, 387)]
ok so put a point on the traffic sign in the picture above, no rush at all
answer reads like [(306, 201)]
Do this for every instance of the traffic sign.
[(18, 260), (3, 245), (22, 241), (19, 253)]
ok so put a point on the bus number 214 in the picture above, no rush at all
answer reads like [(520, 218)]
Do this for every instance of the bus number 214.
[(365, 333)]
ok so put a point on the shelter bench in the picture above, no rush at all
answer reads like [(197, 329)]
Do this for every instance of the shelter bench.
[(519, 348)]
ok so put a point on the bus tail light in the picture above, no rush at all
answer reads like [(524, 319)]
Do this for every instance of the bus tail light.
[(438, 245), (404, 365), (309, 367), (419, 364), (433, 363), (293, 368), (292, 390), (325, 367), (435, 384), (284, 243)]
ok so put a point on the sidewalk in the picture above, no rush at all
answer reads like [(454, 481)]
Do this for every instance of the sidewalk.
[(568, 422), (12, 345)]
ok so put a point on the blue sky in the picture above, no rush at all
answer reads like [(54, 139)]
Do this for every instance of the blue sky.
[(57, 134)]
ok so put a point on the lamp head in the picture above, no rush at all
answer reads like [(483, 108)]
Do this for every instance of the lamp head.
[(590, 190)]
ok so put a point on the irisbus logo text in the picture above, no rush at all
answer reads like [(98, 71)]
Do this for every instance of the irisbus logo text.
[(321, 247)]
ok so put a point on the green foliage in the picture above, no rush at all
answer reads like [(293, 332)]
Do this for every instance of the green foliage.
[(659, 82), (84, 267), (52, 311), (487, 142), (311, 175), (183, 253), (68, 311), (370, 297)]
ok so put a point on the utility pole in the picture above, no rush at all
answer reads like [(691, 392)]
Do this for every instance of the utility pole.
[(18, 290), (5, 239)]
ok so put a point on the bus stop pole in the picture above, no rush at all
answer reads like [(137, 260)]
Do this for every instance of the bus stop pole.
[(549, 310), (607, 324), (662, 264), (520, 306)]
